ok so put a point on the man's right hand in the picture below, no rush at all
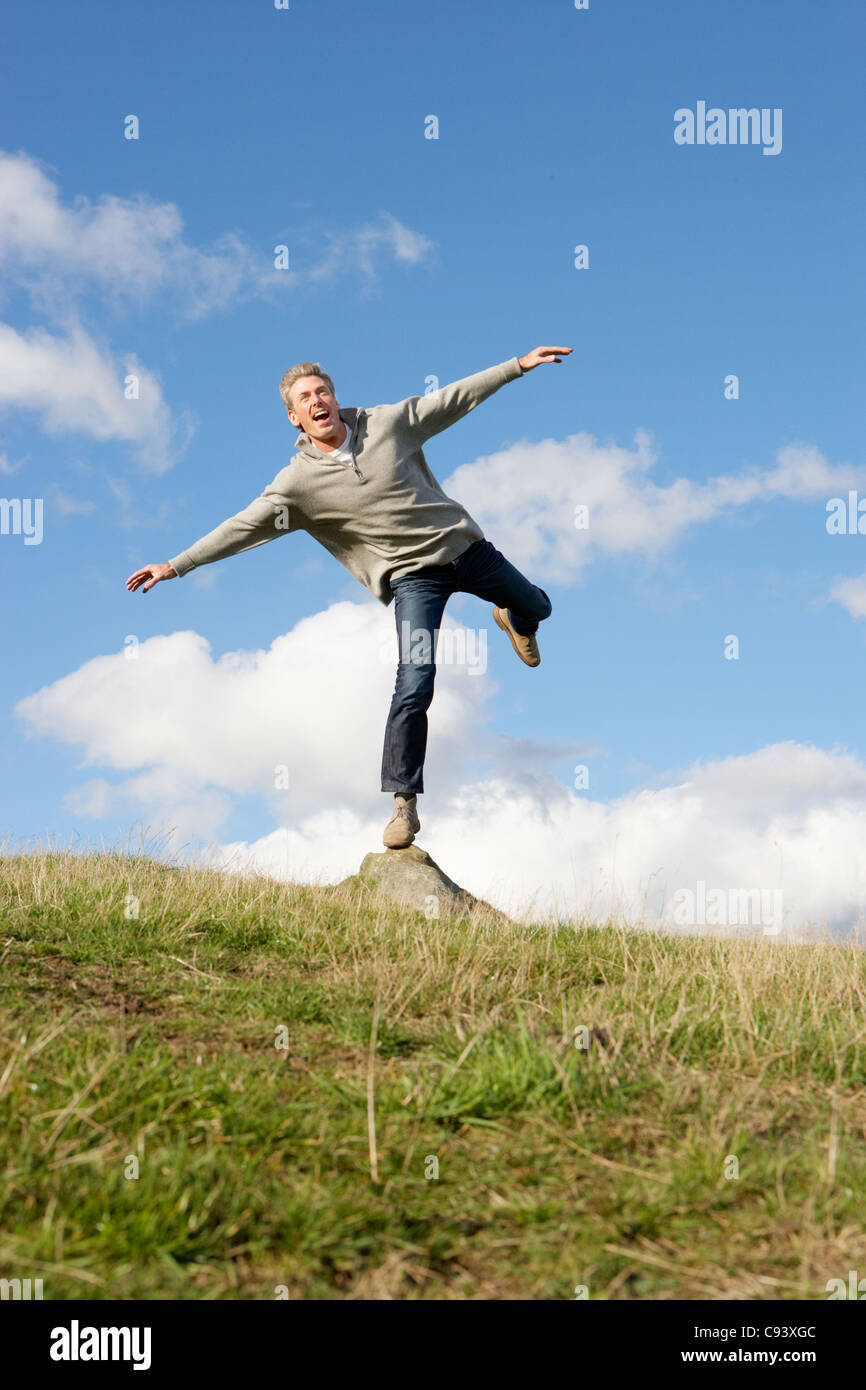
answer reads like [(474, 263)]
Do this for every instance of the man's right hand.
[(153, 574)]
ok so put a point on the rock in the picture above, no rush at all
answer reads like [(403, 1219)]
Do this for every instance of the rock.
[(410, 878)]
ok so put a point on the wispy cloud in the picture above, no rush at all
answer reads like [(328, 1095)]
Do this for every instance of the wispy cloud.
[(7, 466), (62, 504), (360, 250), (851, 593), (133, 250), (78, 258)]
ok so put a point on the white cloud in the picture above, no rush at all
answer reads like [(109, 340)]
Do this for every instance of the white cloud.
[(803, 474), (132, 252), (408, 246), (161, 800), (187, 735), (130, 248), (357, 251), (314, 702), (65, 505), (133, 249), (552, 851), (851, 593), (526, 496), (73, 386)]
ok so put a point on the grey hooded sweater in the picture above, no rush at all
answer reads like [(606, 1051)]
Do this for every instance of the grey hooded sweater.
[(383, 518)]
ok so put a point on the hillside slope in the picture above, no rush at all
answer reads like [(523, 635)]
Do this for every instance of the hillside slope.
[(146, 1044)]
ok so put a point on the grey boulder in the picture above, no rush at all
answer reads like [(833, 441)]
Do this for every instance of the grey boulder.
[(411, 879)]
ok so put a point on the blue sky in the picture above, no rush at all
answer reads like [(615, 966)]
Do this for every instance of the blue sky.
[(306, 127)]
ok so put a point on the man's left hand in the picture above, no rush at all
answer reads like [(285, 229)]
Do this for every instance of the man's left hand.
[(542, 354)]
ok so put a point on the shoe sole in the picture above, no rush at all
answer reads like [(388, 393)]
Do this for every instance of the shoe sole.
[(500, 622), (403, 844)]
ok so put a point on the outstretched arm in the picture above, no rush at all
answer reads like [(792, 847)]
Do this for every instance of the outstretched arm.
[(266, 518), (429, 415)]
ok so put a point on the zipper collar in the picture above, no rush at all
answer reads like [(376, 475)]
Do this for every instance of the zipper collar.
[(350, 415)]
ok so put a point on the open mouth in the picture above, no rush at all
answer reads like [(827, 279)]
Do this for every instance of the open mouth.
[(319, 415)]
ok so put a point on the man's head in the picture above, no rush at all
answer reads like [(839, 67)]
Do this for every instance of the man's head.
[(309, 397)]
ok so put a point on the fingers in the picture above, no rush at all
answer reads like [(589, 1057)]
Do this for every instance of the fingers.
[(136, 580), (541, 355)]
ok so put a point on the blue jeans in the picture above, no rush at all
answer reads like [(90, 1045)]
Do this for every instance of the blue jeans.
[(419, 600)]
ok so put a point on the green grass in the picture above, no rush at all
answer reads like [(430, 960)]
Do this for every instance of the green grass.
[(152, 1039)]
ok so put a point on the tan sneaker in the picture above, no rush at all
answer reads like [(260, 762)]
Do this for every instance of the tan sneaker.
[(526, 647), (403, 825)]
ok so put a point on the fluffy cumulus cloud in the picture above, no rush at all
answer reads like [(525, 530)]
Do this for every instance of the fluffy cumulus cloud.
[(529, 496), (183, 735), (310, 710), (129, 248), (726, 832), (74, 385)]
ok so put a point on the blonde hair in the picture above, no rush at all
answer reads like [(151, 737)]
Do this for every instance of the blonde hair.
[(295, 373)]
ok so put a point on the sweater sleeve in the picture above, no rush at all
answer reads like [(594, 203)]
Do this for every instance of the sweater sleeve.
[(265, 519), (428, 415)]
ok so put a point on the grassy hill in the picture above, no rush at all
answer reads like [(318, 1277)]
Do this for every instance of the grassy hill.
[(148, 1042)]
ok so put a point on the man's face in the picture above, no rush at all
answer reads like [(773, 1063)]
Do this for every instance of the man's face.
[(316, 409)]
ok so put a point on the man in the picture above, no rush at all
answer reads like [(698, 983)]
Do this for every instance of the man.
[(360, 485)]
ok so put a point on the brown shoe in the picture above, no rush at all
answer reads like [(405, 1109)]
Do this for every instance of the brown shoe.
[(403, 825), (526, 647)]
